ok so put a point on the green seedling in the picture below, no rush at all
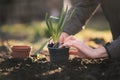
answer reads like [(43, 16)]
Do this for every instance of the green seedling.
[(55, 25)]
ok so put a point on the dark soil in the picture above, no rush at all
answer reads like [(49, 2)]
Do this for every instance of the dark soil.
[(42, 69), (75, 69)]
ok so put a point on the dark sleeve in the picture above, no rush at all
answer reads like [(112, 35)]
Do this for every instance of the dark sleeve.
[(113, 48), (83, 10)]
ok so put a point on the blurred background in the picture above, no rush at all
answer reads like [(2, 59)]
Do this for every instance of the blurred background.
[(22, 22)]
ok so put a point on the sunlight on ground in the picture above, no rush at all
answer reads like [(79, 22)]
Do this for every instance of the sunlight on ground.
[(90, 33)]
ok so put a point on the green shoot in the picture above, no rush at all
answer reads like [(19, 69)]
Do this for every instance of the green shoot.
[(41, 47), (55, 30)]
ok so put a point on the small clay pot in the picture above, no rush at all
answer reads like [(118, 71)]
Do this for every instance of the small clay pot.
[(58, 55), (21, 52)]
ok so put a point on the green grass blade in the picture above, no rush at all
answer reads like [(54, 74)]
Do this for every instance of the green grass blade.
[(67, 19), (62, 17), (49, 25), (41, 47), (47, 22)]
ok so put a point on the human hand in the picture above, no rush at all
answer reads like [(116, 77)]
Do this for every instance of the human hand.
[(63, 36), (82, 50)]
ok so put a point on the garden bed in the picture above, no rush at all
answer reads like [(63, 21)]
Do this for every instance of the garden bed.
[(42, 69), (75, 69)]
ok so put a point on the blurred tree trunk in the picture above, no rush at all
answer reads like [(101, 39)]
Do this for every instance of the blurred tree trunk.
[(5, 6)]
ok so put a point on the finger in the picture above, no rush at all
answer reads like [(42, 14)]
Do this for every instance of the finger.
[(75, 52), (70, 38), (61, 40), (51, 41), (63, 45)]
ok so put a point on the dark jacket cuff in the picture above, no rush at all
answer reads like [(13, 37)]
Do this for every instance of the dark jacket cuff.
[(105, 46)]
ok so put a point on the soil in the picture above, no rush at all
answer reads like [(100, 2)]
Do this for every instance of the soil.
[(75, 69), (42, 69)]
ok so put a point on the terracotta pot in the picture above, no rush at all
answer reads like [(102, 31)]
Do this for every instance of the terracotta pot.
[(21, 52), (58, 55)]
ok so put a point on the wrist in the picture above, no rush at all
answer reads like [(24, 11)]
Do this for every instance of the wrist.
[(101, 52)]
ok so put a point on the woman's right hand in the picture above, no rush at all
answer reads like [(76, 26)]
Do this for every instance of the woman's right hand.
[(63, 36)]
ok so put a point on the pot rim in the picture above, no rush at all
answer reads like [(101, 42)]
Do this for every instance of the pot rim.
[(50, 47), (21, 47), (58, 48)]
